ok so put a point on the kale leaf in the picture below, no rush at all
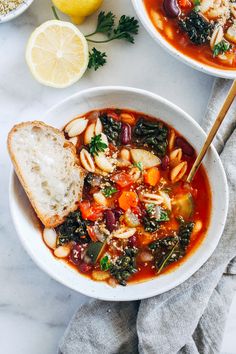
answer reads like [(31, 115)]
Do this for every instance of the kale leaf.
[(112, 128), (124, 266), (170, 249), (197, 27), (73, 229), (154, 134), (151, 224)]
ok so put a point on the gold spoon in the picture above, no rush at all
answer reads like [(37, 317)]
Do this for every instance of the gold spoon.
[(219, 119)]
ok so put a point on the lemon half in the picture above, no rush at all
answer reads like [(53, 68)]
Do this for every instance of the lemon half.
[(57, 54)]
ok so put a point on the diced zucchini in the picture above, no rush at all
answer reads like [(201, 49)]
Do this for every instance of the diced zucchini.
[(94, 250), (183, 205)]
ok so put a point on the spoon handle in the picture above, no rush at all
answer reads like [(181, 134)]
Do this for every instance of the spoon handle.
[(219, 119)]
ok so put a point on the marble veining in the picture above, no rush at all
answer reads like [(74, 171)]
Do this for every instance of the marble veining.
[(35, 309)]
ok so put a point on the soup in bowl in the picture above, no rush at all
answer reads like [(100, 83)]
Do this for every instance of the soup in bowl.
[(200, 32), (139, 228)]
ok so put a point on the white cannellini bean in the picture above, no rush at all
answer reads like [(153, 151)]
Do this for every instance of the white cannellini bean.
[(103, 162), (76, 127), (87, 160), (89, 133), (50, 238), (62, 251), (100, 198), (124, 232)]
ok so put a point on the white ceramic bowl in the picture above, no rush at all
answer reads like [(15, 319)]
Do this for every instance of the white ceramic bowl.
[(147, 23), (15, 13), (147, 102)]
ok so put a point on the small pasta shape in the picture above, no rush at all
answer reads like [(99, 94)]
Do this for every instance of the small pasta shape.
[(175, 157), (124, 232), (89, 134), (74, 140), (76, 127), (171, 140), (151, 198), (87, 160), (103, 162), (177, 173)]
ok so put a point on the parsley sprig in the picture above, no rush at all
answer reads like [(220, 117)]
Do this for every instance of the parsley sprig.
[(96, 59), (126, 29), (97, 145), (105, 24)]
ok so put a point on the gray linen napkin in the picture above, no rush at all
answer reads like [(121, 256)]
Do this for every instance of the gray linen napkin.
[(188, 319)]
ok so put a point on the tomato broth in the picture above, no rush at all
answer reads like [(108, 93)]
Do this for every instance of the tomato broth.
[(219, 53), (138, 217)]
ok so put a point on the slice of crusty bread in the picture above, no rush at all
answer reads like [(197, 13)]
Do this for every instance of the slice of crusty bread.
[(45, 163)]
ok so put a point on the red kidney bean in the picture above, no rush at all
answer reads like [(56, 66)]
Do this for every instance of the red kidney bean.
[(171, 8), (165, 162), (118, 212), (125, 134), (110, 220), (76, 254), (185, 146), (84, 267), (133, 241)]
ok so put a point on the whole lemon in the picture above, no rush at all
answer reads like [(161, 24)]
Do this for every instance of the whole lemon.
[(78, 9)]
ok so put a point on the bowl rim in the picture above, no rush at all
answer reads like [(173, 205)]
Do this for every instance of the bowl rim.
[(150, 28), (16, 12), (151, 292)]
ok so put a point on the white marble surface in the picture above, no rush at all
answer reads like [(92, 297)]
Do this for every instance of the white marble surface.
[(34, 309)]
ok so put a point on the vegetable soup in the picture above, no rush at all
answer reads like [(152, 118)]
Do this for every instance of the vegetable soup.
[(204, 30), (138, 216)]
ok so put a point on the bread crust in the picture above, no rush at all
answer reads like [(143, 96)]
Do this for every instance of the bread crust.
[(56, 219)]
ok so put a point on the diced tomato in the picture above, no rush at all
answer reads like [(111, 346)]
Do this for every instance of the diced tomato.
[(185, 3), (90, 211), (123, 179)]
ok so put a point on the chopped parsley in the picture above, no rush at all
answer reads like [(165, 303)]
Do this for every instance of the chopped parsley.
[(97, 145), (108, 191), (139, 165), (105, 264), (221, 48)]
